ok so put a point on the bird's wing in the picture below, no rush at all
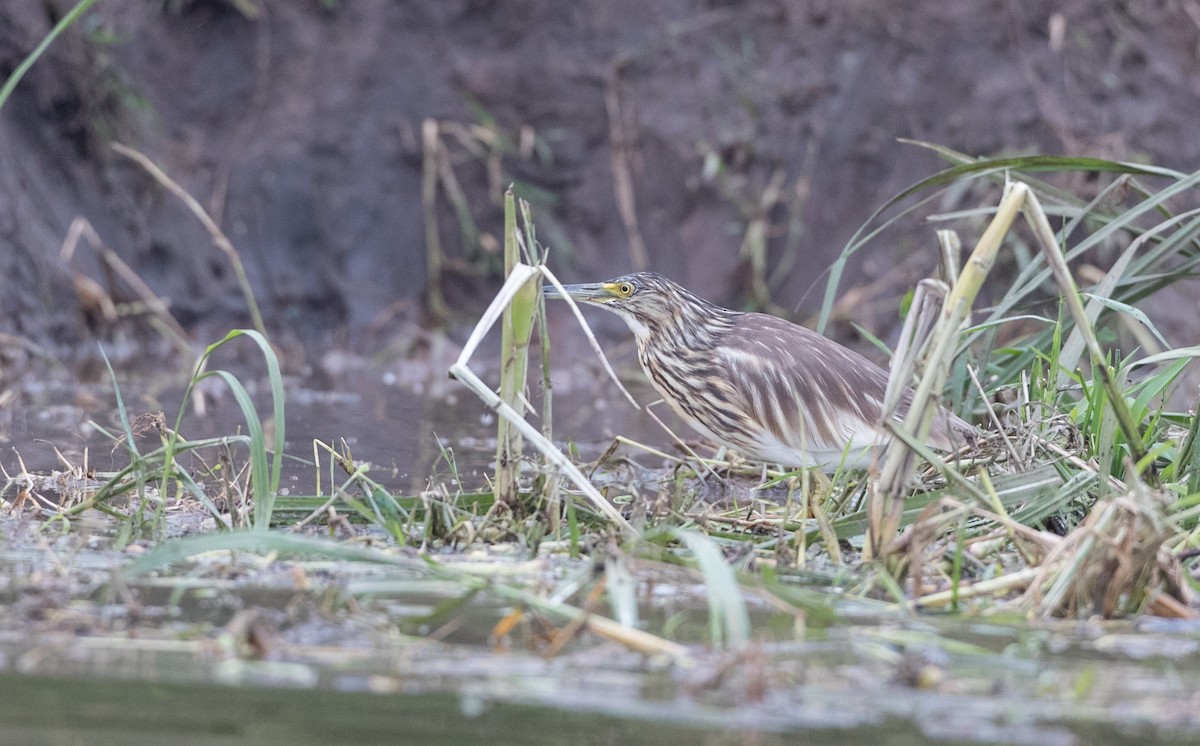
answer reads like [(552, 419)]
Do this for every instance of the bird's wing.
[(811, 393)]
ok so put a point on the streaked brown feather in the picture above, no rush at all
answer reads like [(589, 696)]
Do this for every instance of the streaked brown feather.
[(812, 379), (792, 365)]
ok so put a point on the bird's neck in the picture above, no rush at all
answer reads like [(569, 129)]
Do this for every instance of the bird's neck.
[(696, 327)]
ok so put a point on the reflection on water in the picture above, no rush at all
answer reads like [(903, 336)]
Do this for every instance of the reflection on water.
[(236, 650), (136, 713), (396, 424)]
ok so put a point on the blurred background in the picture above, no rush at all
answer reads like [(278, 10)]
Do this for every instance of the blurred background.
[(355, 151)]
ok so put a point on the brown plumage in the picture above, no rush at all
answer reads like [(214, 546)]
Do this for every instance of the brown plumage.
[(770, 389)]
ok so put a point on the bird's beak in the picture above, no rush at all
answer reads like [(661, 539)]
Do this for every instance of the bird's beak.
[(591, 292)]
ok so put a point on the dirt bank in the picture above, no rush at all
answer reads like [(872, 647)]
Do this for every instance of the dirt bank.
[(643, 133)]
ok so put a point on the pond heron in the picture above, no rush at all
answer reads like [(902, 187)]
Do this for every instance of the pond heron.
[(769, 389)]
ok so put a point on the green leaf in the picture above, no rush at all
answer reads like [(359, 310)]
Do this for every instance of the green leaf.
[(1130, 311)]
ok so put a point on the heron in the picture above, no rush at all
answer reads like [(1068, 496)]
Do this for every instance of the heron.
[(771, 390)]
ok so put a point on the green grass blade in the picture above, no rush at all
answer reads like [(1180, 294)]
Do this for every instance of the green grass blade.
[(1130, 311), (275, 380), (122, 413), (71, 16), (260, 475), (264, 478), (728, 618), (177, 550), (969, 167)]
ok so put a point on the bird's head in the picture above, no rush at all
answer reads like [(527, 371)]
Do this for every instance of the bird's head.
[(647, 301)]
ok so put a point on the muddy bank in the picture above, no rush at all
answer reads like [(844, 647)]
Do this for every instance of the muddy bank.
[(643, 134)]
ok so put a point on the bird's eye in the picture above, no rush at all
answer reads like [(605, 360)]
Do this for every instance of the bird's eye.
[(625, 289)]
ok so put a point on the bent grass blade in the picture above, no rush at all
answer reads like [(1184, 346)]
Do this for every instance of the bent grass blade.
[(520, 275)]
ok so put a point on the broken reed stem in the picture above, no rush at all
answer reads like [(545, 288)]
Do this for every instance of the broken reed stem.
[(887, 498), (949, 249), (430, 155), (516, 328), (537, 256), (886, 507), (218, 236), (918, 325), (521, 274), (1012, 581)]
